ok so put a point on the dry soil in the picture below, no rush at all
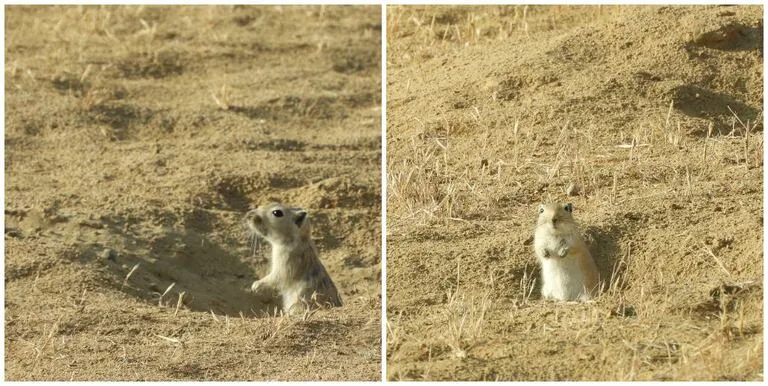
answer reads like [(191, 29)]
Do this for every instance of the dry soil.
[(648, 119), (136, 138)]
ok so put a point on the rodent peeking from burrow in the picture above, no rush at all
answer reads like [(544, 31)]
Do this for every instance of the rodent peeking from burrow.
[(296, 271)]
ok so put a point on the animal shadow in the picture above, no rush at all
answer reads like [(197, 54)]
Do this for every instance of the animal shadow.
[(603, 243), (528, 279), (175, 267)]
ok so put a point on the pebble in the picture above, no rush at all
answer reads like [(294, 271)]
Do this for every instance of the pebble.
[(108, 254)]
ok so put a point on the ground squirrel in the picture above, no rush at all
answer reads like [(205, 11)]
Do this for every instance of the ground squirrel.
[(296, 272), (568, 271)]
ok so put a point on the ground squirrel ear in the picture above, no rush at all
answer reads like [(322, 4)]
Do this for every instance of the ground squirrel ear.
[(299, 218), (569, 207)]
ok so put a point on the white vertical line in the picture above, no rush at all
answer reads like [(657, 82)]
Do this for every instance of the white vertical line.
[(383, 191), (765, 199)]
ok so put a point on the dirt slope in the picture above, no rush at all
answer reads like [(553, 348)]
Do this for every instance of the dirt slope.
[(136, 138), (647, 119)]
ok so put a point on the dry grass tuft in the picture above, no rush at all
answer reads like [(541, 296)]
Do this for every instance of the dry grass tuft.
[(464, 318)]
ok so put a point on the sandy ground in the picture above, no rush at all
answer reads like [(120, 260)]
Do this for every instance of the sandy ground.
[(647, 119), (136, 138)]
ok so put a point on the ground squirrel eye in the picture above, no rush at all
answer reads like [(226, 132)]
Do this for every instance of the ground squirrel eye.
[(541, 210), (569, 208), (277, 213)]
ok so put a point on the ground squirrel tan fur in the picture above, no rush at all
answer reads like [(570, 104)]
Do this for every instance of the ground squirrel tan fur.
[(296, 272), (568, 271)]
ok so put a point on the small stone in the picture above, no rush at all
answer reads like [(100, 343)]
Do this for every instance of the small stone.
[(572, 190), (108, 254), (13, 232)]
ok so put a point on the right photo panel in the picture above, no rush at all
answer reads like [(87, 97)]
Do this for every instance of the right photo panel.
[(574, 193)]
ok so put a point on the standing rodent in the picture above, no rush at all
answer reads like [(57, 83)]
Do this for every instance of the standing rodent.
[(296, 271), (568, 271)]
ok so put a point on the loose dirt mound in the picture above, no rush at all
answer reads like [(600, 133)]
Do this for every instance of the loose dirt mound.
[(136, 139), (648, 119)]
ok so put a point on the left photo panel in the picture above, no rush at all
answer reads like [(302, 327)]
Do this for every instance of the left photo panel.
[(193, 193)]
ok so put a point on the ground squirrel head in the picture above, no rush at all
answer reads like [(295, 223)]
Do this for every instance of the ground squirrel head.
[(557, 216), (279, 224)]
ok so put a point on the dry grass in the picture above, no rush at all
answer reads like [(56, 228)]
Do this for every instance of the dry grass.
[(184, 117), (464, 318), (653, 196), (438, 29)]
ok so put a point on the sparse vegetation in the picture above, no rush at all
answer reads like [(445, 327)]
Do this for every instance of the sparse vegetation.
[(136, 137), (493, 109)]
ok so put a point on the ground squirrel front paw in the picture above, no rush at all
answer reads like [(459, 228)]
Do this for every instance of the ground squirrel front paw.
[(258, 286), (544, 253)]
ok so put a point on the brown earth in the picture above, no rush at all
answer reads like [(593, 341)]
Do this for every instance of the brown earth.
[(647, 118), (136, 138)]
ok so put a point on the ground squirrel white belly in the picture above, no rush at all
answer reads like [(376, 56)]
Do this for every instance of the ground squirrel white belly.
[(568, 271), (296, 271)]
